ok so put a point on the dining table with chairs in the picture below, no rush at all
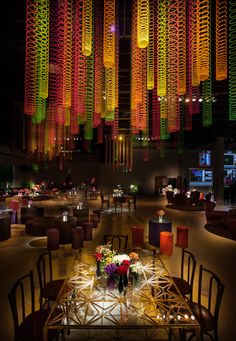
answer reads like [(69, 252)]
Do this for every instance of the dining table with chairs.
[(147, 305)]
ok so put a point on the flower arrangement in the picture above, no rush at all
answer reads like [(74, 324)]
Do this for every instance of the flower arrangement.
[(119, 268), (117, 193), (160, 215)]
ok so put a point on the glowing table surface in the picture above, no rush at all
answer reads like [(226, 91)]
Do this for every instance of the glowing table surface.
[(144, 310)]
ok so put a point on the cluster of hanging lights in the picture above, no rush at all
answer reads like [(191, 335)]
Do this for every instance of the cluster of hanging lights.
[(72, 69)]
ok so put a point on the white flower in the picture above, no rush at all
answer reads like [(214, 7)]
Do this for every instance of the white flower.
[(118, 259), (136, 267)]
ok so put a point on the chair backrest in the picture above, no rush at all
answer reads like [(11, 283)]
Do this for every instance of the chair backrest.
[(18, 296), (188, 267), (209, 205), (118, 241), (210, 287), (195, 196), (232, 213), (170, 197), (102, 196), (44, 268)]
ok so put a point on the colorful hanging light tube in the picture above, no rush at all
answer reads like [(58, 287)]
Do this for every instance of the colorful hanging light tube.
[(221, 39), (143, 23), (87, 28), (30, 59), (232, 60), (109, 33), (204, 39), (172, 68), (161, 48)]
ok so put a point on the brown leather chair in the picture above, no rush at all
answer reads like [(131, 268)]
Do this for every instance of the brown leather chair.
[(180, 200), (105, 201)]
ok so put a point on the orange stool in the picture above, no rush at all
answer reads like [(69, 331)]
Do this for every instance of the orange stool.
[(137, 236), (182, 236), (166, 243)]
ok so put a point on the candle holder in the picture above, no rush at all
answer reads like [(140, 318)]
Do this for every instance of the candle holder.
[(65, 216)]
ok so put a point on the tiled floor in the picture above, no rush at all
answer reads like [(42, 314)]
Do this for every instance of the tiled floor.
[(18, 255)]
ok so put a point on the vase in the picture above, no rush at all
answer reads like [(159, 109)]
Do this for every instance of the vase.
[(98, 271), (125, 280), (120, 284), (134, 278), (111, 282)]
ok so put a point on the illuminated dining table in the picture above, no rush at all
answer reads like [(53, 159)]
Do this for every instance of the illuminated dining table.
[(146, 309)]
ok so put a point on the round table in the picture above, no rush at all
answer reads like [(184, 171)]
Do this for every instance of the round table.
[(155, 227), (5, 227), (65, 228)]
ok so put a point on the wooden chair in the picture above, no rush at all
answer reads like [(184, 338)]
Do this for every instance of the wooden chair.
[(28, 322), (117, 241), (210, 290), (118, 202), (131, 201), (187, 272), (105, 201), (49, 288)]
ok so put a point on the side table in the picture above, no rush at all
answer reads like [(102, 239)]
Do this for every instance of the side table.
[(155, 227)]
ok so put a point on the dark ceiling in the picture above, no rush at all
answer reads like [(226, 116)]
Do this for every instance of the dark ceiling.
[(12, 24)]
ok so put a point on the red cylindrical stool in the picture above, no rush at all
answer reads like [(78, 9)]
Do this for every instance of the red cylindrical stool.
[(182, 236), (77, 238), (88, 230), (15, 205), (53, 238), (137, 236), (24, 202), (166, 243), (93, 217)]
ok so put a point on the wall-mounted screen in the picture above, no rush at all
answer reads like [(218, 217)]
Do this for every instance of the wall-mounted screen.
[(200, 177), (205, 158), (229, 176), (229, 159)]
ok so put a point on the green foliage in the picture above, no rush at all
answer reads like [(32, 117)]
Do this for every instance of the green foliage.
[(27, 184)]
